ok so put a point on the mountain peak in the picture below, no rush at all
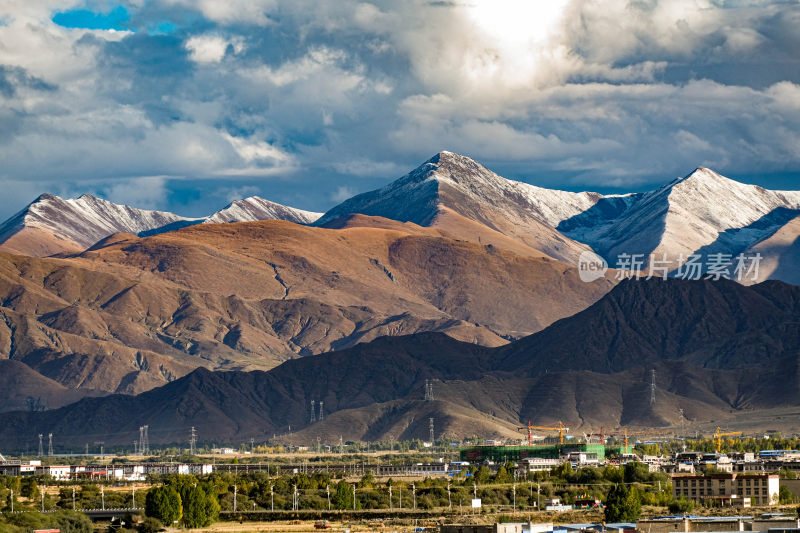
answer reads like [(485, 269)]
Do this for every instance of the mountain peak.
[(257, 208)]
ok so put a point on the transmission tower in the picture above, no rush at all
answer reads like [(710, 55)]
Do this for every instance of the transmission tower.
[(430, 427), (313, 416), (428, 390), (193, 441), (320, 410), (41, 452), (144, 444), (652, 387), (49, 444)]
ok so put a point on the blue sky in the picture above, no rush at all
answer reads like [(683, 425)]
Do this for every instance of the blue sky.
[(186, 105)]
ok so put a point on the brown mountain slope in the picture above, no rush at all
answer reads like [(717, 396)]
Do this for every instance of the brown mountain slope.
[(133, 313), (23, 389), (590, 370)]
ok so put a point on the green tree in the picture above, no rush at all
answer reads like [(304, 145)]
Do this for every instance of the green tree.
[(483, 475), (636, 472), (163, 503), (622, 504), (681, 505), (29, 489), (785, 496), (194, 507), (343, 497), (502, 475)]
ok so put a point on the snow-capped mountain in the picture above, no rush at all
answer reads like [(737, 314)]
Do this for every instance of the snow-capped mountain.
[(450, 184), (256, 208), (54, 225), (702, 212)]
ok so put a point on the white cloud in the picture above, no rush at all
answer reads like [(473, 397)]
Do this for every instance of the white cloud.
[(255, 151), (228, 12), (613, 91), (145, 193), (211, 48), (342, 193)]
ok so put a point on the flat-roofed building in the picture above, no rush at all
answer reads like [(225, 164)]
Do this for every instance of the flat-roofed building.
[(728, 489)]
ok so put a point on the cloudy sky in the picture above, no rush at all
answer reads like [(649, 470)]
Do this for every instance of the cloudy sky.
[(186, 105)]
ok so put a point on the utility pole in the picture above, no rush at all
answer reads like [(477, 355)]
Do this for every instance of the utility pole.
[(414, 494), (328, 492), (272, 499), (103, 497), (354, 496), (12, 500), (449, 501), (538, 497), (234, 497), (391, 508), (514, 492), (41, 452), (50, 444), (73, 498)]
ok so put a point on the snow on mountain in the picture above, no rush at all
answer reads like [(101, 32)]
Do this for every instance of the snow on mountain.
[(703, 212), (255, 208), (452, 183), (52, 225), (781, 253), (77, 223)]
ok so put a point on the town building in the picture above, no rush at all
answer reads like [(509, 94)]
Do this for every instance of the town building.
[(727, 489)]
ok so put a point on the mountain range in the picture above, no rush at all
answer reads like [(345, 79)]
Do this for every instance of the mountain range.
[(702, 213), (451, 273), (703, 363), (51, 225)]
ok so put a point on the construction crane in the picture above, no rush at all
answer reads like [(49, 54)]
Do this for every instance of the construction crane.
[(651, 432), (561, 428), (718, 437)]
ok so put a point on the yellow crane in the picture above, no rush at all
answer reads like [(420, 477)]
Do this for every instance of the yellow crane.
[(718, 437), (561, 428), (651, 432)]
